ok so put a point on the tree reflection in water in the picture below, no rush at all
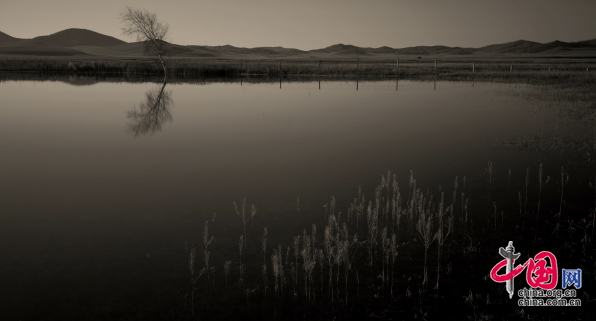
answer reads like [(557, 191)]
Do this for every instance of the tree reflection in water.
[(152, 113)]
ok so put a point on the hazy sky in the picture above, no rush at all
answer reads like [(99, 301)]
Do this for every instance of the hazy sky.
[(313, 24)]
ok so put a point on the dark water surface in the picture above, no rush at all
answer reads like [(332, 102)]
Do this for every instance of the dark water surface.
[(70, 153), (96, 205)]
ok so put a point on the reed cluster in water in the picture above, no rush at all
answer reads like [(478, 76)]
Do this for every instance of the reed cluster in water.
[(375, 256)]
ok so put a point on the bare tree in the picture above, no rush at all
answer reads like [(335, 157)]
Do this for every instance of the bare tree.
[(153, 112), (143, 25)]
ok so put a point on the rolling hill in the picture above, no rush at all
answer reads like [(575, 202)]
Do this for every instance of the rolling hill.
[(135, 49), (509, 47), (523, 46), (434, 50), (589, 42), (82, 42), (55, 45), (6, 38), (33, 48), (257, 52), (558, 45), (341, 50), (79, 37)]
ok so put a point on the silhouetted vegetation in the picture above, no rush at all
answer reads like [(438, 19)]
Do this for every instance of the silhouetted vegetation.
[(503, 70), (373, 258)]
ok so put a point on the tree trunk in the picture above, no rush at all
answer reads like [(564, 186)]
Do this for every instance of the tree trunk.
[(163, 64)]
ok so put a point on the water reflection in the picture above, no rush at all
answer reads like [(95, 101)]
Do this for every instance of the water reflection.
[(152, 114)]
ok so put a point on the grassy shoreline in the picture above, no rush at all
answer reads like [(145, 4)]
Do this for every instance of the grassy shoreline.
[(566, 79), (480, 69)]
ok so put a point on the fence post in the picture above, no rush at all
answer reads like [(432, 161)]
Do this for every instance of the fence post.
[(473, 67), (435, 64)]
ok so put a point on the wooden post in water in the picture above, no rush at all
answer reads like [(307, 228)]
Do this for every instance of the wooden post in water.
[(279, 83), (473, 67), (435, 64), (511, 68), (357, 62), (356, 84), (319, 84)]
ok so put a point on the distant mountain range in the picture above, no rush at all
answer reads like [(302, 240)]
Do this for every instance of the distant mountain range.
[(82, 42)]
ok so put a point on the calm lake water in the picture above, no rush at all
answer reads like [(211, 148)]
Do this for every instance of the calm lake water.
[(94, 211), (69, 152)]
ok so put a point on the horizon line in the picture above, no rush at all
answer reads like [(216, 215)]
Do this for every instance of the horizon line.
[(396, 48)]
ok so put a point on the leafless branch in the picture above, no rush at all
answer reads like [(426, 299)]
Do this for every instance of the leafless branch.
[(152, 114), (145, 28)]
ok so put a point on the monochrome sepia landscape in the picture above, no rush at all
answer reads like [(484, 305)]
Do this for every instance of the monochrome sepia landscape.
[(88, 43), (317, 160)]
